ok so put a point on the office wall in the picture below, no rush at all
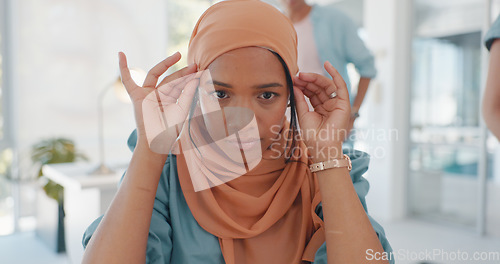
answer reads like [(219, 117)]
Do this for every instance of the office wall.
[(64, 53), (388, 27)]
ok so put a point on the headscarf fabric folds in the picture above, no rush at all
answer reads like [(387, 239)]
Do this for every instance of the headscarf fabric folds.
[(234, 24), (266, 215)]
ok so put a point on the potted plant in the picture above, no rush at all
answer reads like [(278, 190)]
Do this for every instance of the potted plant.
[(49, 151)]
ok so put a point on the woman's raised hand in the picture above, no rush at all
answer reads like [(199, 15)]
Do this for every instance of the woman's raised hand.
[(325, 128), (160, 109)]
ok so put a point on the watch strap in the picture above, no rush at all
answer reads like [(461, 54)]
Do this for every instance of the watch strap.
[(330, 164)]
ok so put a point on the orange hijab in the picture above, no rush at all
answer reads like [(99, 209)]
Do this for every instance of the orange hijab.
[(262, 210)]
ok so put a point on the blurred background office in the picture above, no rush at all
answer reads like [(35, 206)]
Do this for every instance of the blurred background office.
[(434, 171)]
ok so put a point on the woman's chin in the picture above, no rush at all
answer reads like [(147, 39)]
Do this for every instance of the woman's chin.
[(249, 152)]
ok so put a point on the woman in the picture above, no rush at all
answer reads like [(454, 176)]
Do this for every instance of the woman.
[(491, 98), (238, 185)]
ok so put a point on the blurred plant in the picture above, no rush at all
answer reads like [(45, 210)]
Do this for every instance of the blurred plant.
[(6, 157), (55, 150), (5, 175), (181, 19)]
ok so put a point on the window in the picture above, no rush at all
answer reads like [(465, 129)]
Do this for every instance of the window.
[(446, 137), (182, 17), (7, 220)]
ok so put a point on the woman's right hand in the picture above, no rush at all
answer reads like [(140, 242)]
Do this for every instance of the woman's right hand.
[(160, 109)]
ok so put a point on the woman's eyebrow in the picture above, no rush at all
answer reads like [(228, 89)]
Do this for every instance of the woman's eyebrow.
[(214, 82), (259, 86), (267, 85)]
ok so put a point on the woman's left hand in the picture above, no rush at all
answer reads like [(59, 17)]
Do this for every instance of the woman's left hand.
[(325, 128)]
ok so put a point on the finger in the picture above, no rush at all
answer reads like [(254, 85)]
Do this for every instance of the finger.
[(313, 98), (300, 101), (127, 80), (165, 99), (178, 74), (178, 83), (321, 100), (319, 80), (178, 89), (186, 97), (319, 90), (167, 94), (298, 82), (153, 116), (159, 69), (170, 94), (342, 91), (199, 74)]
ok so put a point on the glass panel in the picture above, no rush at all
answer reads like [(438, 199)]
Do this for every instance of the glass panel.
[(443, 182), (6, 199), (445, 97), (446, 81)]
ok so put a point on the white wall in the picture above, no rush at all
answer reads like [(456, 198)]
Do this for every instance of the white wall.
[(64, 53), (388, 27), (449, 18)]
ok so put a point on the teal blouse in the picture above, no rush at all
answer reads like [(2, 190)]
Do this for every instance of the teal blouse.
[(176, 237), (492, 34), (338, 42)]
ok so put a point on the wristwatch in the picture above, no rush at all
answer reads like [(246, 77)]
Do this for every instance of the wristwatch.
[(336, 163)]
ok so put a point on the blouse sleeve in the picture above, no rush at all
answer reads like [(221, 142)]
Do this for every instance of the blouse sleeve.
[(159, 248), (360, 161), (354, 47), (492, 34)]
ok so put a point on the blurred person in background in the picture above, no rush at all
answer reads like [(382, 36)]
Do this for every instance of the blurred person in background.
[(491, 100), (326, 34)]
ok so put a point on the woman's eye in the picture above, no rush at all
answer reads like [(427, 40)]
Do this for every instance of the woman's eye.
[(220, 94), (267, 95)]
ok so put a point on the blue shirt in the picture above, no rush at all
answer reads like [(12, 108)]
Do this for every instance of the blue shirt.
[(176, 237), (492, 34), (338, 42)]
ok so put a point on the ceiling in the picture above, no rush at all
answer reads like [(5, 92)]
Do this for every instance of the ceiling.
[(445, 3)]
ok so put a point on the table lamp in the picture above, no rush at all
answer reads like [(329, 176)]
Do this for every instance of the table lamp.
[(120, 91)]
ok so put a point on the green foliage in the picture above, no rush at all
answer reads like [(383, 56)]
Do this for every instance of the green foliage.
[(54, 191), (181, 19), (55, 150), (6, 157)]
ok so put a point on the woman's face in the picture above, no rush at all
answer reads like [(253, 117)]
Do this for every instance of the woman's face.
[(249, 86)]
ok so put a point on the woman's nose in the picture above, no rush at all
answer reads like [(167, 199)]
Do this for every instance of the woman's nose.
[(237, 118)]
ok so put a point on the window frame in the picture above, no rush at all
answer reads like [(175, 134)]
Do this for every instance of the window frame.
[(7, 140)]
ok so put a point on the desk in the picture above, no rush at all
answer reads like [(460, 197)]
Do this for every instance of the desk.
[(86, 197)]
